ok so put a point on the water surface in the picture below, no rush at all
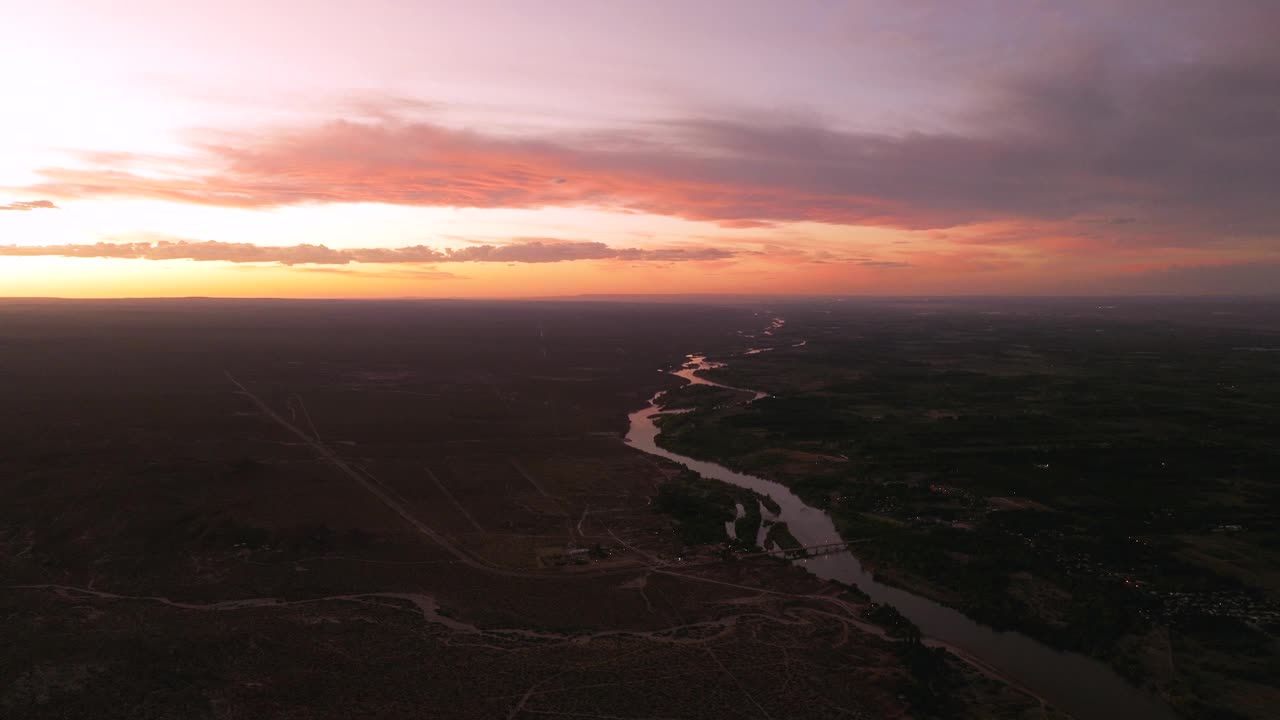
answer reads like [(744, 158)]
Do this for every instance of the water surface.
[(1082, 686)]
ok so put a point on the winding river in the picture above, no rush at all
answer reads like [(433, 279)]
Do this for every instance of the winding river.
[(1079, 685)]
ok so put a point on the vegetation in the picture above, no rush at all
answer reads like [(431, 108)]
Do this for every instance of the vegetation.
[(700, 509), (1094, 479), (691, 396)]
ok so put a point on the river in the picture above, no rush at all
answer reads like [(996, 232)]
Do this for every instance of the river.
[(1079, 685)]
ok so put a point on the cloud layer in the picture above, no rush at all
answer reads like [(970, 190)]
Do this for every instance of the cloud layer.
[(529, 251), (25, 206), (1005, 143), (1186, 151)]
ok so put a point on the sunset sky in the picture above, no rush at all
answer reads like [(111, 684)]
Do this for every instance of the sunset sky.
[(515, 149)]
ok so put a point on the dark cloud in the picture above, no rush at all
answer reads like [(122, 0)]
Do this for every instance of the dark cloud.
[(536, 251), (1255, 278), (24, 206)]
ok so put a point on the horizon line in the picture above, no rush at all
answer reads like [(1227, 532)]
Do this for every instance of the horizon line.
[(662, 296)]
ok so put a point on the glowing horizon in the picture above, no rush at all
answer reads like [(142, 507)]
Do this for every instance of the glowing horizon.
[(391, 150)]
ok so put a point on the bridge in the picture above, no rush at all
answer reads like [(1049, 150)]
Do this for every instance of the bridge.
[(811, 550)]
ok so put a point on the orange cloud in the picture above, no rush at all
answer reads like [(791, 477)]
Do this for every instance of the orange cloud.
[(1053, 178), (25, 206), (532, 251), (429, 165)]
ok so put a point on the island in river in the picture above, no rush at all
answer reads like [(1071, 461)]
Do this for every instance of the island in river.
[(1099, 479), (1077, 684)]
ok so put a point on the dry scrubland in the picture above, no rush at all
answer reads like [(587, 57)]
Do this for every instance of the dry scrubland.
[(242, 509)]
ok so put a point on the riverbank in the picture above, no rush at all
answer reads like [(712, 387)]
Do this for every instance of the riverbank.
[(1048, 673), (1067, 473)]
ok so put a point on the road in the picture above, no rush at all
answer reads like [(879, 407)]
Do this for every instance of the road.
[(371, 484), (376, 489)]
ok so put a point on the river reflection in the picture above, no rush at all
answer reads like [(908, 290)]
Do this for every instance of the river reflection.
[(1082, 686)]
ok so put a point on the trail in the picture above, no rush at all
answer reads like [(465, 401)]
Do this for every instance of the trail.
[(536, 485), (306, 415), (453, 499), (425, 603), (372, 486), (430, 610), (375, 488)]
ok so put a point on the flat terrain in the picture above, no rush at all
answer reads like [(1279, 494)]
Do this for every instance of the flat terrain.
[(260, 509), (1102, 475)]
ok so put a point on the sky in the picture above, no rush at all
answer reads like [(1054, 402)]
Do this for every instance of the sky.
[(514, 149)]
